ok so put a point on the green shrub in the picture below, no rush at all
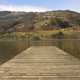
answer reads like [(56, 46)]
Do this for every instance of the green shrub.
[(35, 38)]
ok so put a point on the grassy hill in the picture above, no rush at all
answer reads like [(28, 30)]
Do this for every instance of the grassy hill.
[(23, 22)]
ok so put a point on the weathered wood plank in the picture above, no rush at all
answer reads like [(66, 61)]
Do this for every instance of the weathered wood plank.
[(41, 63)]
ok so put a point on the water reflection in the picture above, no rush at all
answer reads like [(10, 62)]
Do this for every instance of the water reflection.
[(9, 49)]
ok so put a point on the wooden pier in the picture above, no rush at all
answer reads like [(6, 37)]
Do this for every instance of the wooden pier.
[(41, 63)]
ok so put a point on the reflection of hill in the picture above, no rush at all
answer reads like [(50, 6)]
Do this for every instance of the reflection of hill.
[(9, 49)]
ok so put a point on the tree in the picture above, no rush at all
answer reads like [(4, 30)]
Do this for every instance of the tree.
[(64, 24)]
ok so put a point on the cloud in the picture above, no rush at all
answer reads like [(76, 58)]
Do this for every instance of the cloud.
[(22, 8)]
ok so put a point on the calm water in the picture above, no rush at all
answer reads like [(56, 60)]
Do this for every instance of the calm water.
[(72, 46), (9, 49)]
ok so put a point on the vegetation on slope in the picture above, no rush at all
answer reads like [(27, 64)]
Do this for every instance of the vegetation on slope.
[(24, 22)]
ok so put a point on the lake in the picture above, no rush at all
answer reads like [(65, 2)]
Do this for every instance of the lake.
[(72, 46), (10, 48)]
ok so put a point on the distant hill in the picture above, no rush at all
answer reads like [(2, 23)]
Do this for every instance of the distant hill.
[(4, 13), (30, 21)]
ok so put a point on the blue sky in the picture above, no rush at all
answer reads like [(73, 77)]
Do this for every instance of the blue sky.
[(39, 5)]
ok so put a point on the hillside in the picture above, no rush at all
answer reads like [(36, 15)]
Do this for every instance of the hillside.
[(23, 22)]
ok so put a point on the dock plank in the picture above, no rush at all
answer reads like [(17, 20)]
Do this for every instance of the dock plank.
[(41, 63)]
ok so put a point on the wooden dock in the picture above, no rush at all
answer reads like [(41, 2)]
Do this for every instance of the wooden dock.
[(41, 63)]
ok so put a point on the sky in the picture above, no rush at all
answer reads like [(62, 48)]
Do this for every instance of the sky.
[(39, 5)]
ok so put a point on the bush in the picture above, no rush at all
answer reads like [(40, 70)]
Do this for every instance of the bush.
[(35, 38), (53, 36), (60, 35)]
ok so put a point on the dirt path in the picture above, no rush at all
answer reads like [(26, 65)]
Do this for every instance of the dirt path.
[(41, 63)]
